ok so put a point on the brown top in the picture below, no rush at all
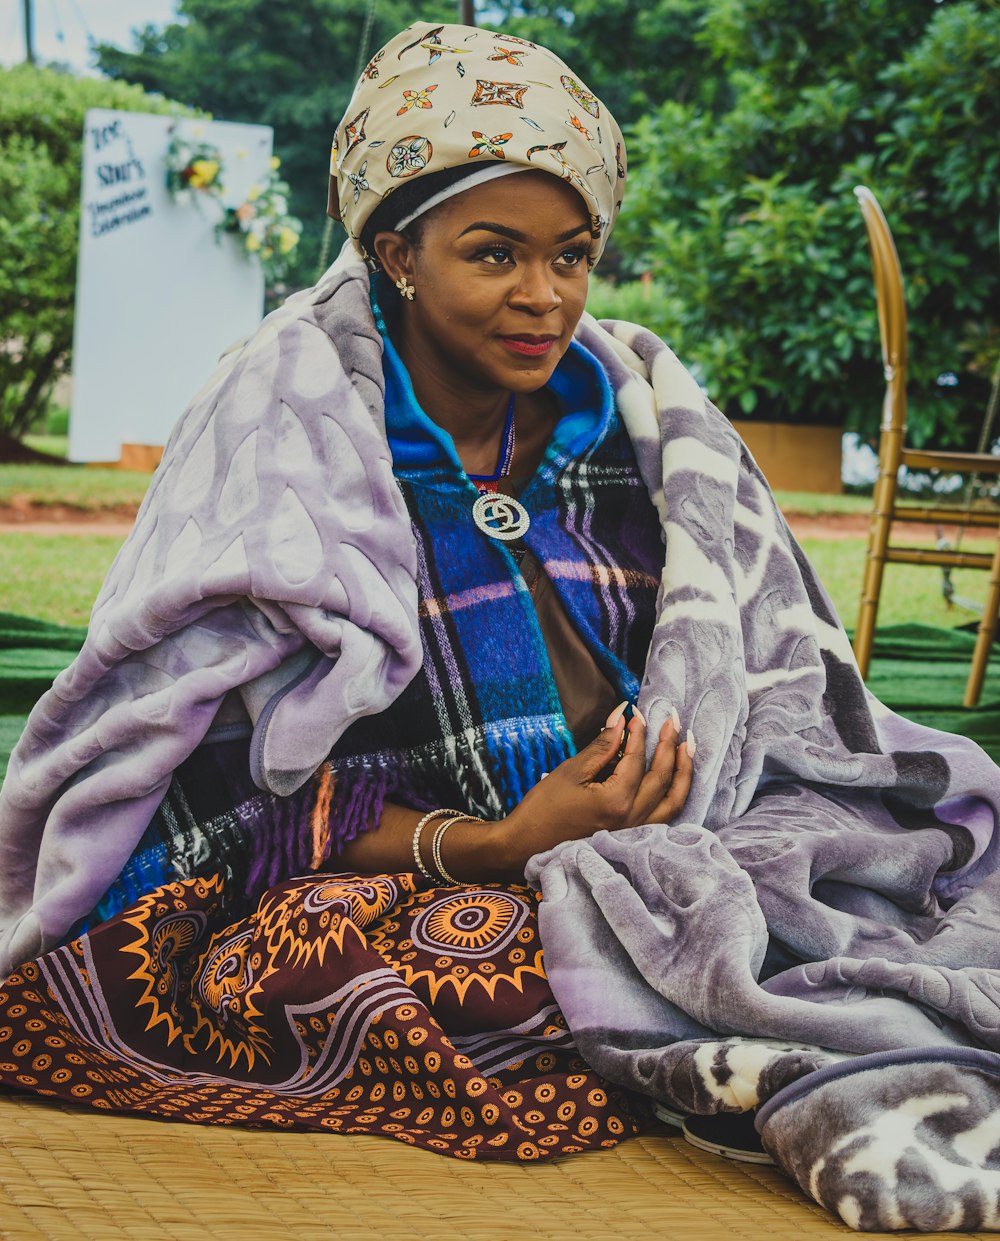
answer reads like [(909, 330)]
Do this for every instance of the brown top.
[(586, 694)]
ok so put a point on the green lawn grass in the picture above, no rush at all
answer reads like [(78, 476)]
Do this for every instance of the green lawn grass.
[(79, 486), (53, 577), (812, 503), (909, 592)]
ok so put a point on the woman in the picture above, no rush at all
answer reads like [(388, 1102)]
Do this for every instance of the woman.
[(495, 281), (426, 533)]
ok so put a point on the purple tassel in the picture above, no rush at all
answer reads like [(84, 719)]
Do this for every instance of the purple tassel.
[(278, 833)]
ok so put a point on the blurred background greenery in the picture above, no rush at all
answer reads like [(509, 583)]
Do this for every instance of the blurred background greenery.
[(748, 124)]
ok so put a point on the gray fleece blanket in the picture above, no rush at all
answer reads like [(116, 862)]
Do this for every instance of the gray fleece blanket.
[(829, 897), (831, 903)]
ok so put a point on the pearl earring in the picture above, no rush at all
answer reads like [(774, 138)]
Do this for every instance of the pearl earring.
[(405, 290)]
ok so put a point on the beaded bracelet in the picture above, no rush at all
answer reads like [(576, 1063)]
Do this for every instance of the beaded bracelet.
[(431, 814)]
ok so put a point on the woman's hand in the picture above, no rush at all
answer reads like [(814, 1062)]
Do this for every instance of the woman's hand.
[(593, 790), (574, 801)]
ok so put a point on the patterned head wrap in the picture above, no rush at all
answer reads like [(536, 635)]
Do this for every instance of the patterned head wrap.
[(439, 98)]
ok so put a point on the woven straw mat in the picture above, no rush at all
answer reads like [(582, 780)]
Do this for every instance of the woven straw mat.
[(70, 1174)]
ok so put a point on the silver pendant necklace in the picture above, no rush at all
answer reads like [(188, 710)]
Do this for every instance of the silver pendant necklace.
[(501, 516)]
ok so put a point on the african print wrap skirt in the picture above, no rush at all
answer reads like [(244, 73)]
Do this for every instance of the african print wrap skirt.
[(356, 1005)]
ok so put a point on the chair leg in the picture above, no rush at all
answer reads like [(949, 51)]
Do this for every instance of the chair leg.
[(864, 633), (987, 631), (871, 586)]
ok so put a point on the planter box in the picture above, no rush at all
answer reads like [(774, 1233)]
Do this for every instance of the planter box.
[(141, 457), (794, 458)]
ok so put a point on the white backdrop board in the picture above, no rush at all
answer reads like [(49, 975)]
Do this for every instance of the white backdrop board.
[(158, 295)]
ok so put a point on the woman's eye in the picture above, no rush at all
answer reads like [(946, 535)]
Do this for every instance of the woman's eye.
[(496, 255), (573, 258)]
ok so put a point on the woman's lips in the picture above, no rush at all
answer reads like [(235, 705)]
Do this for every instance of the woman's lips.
[(530, 346)]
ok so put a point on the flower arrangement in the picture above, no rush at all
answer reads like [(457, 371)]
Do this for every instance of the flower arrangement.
[(268, 233), (193, 166), (263, 222)]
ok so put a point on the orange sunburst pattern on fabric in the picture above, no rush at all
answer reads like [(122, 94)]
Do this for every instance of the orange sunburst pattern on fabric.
[(459, 939), (159, 944), (302, 918), (342, 1003)]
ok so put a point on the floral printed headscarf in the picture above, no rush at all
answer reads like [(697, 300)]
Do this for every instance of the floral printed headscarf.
[(443, 97)]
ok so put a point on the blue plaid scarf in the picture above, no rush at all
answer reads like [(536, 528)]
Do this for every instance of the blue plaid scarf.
[(482, 721)]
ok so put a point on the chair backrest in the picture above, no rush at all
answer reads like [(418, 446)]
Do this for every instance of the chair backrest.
[(891, 304)]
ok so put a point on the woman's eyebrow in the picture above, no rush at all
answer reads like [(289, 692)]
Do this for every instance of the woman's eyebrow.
[(486, 226)]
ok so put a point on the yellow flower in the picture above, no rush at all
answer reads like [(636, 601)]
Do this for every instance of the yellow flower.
[(288, 239), (275, 163), (203, 173), (253, 193), (266, 252), (252, 242)]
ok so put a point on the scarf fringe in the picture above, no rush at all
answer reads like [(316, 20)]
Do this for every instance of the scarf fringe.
[(521, 758), (149, 869), (491, 773), (319, 818), (277, 830)]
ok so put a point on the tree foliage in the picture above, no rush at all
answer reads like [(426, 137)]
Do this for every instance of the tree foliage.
[(748, 221), (634, 53), (41, 135)]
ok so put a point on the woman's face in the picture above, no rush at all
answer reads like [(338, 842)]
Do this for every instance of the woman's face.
[(500, 273)]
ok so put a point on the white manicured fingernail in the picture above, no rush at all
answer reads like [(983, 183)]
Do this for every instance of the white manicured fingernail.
[(544, 774), (639, 715), (616, 714), (691, 747), (675, 719)]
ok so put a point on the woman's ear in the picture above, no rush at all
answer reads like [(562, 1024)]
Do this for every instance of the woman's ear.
[(395, 255)]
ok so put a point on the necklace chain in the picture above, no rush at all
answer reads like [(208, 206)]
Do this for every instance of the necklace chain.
[(498, 515), (487, 484)]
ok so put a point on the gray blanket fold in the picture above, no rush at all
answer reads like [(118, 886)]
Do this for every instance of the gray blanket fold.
[(832, 891), (274, 524), (909, 1143)]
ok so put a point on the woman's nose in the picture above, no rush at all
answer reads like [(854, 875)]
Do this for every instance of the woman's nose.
[(536, 290)]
